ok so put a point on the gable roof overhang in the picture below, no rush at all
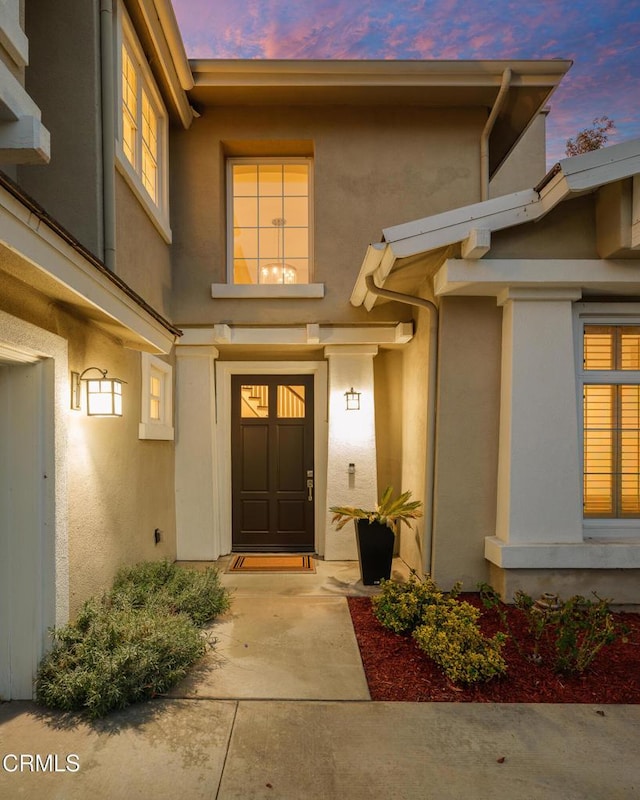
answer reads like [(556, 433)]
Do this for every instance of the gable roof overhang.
[(157, 29), (433, 84), (412, 251)]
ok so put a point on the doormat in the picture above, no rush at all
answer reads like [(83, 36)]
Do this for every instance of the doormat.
[(272, 563)]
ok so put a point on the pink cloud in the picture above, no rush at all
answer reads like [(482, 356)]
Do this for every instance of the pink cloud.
[(602, 39)]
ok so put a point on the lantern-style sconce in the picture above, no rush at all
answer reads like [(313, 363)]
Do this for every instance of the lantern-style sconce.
[(104, 395), (353, 400)]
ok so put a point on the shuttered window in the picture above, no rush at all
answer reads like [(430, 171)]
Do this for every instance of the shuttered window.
[(611, 420)]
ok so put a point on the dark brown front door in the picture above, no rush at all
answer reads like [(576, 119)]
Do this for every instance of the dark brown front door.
[(272, 462)]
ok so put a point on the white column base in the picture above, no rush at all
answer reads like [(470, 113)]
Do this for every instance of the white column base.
[(590, 554)]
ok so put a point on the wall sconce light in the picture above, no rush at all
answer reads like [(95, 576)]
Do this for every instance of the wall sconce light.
[(104, 395), (353, 400)]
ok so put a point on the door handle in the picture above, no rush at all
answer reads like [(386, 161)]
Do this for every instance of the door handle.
[(310, 489)]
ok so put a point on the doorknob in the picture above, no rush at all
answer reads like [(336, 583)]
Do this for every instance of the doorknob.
[(310, 489)]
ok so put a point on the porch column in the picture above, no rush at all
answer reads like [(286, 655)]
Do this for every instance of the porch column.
[(196, 481), (352, 441), (538, 468)]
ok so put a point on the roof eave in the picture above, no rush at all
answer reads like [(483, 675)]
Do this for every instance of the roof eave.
[(571, 176)]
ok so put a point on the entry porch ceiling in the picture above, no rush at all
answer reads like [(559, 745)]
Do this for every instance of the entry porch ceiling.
[(431, 84)]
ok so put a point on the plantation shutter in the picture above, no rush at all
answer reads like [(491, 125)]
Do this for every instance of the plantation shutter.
[(611, 423)]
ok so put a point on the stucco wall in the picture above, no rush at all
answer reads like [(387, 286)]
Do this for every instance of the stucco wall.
[(143, 259), (569, 231), (414, 403), (388, 388), (119, 488), (67, 91), (526, 165), (467, 438), (372, 168)]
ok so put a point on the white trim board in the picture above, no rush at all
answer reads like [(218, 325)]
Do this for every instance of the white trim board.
[(38, 579), (311, 334)]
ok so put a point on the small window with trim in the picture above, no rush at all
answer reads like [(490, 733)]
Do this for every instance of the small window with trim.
[(156, 399), (611, 420), (269, 221)]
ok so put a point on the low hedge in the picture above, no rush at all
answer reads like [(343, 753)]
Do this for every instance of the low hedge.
[(133, 643)]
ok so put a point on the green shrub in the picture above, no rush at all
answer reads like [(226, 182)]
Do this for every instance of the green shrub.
[(172, 588), (133, 643), (575, 629), (449, 634), (399, 606), (584, 627), (115, 655)]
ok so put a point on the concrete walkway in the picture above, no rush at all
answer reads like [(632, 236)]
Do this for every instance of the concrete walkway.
[(256, 723)]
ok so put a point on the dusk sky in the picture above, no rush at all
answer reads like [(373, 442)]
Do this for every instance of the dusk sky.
[(601, 37)]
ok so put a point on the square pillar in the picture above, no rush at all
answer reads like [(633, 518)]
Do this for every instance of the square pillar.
[(197, 518), (352, 440), (539, 463)]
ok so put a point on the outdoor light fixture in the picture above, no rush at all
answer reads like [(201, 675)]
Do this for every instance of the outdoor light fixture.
[(104, 395), (353, 400)]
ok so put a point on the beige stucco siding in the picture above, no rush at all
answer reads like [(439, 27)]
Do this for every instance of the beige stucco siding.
[(467, 438), (414, 404), (67, 91), (388, 388), (372, 168), (119, 488), (143, 258), (526, 164), (569, 231), (122, 487)]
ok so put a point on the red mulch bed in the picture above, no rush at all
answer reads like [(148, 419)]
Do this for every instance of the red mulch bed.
[(397, 670)]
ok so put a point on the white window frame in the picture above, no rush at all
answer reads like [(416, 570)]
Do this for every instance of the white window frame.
[(162, 428), (602, 314), (268, 291), (158, 210)]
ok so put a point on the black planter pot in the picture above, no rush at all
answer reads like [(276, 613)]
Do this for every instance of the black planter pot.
[(375, 551)]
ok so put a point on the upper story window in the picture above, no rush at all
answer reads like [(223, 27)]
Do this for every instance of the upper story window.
[(269, 214), (143, 129), (611, 420)]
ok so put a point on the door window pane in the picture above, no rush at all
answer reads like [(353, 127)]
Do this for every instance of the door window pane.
[(291, 402), (254, 401)]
